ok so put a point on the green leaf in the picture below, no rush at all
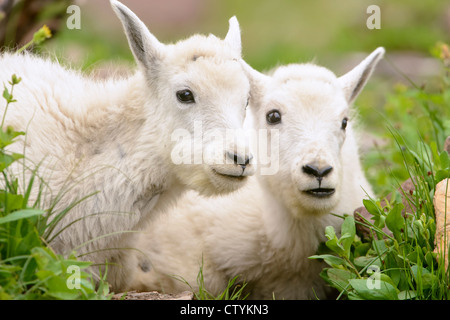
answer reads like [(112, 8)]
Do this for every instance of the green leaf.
[(361, 249), (11, 202), (429, 259), (348, 231), (6, 94), (406, 295), (20, 214), (376, 211), (428, 279), (395, 221), (364, 261), (443, 157), (339, 278), (15, 80), (7, 159), (7, 136), (330, 233), (331, 260), (371, 206), (379, 246), (72, 262), (333, 242), (374, 289), (424, 276), (442, 174), (384, 277), (57, 288)]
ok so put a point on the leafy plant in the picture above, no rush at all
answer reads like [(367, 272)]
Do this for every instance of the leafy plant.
[(29, 269), (38, 37), (398, 261), (233, 291)]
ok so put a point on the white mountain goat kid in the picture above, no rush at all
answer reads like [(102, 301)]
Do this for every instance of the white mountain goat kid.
[(266, 231), (113, 139)]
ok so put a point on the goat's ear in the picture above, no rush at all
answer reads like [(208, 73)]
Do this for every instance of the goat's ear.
[(144, 45), (354, 81), (233, 37), (258, 83)]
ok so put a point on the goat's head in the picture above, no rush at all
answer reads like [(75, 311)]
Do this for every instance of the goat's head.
[(202, 93), (309, 106)]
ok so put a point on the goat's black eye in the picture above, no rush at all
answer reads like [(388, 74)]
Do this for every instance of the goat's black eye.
[(344, 123), (273, 117), (185, 96)]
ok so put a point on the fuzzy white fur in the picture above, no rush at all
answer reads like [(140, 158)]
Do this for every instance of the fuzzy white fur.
[(111, 140), (266, 231)]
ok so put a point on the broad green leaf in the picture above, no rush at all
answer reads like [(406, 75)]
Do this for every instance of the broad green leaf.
[(7, 136), (374, 289), (406, 295), (376, 211), (384, 277), (362, 248), (348, 231), (57, 288), (429, 258), (418, 270), (6, 94), (395, 221), (20, 214), (428, 279), (331, 260), (7, 159), (354, 296), (379, 246), (333, 242), (330, 233), (442, 174), (11, 202), (371, 207), (364, 261), (71, 262), (443, 157), (339, 278)]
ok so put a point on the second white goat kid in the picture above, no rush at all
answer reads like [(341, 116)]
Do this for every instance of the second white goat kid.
[(112, 140), (265, 231)]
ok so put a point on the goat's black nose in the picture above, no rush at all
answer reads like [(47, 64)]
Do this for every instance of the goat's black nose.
[(238, 159), (316, 172)]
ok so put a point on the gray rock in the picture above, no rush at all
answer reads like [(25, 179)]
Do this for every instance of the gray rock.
[(153, 295)]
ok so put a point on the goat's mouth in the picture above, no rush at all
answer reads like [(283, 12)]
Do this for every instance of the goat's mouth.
[(320, 192), (230, 176)]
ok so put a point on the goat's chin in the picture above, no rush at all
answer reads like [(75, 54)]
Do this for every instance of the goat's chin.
[(316, 204), (224, 180), (219, 188), (212, 180)]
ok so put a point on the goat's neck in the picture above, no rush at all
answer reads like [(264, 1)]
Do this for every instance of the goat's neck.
[(287, 228), (127, 141)]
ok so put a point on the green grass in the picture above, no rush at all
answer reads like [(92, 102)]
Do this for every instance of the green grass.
[(412, 115), (29, 269), (401, 265), (233, 291)]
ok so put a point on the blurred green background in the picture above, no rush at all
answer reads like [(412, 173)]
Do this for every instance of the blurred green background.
[(273, 32), (329, 32)]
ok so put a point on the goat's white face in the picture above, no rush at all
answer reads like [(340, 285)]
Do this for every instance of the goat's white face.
[(203, 92), (311, 116), (209, 97), (309, 106)]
